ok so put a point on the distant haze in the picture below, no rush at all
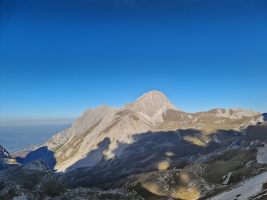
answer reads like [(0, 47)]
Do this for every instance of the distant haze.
[(29, 122), (22, 136)]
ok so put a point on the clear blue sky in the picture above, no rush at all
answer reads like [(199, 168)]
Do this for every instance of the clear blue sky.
[(58, 58)]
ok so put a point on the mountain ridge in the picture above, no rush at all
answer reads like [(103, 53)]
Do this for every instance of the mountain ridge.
[(150, 112), (153, 148)]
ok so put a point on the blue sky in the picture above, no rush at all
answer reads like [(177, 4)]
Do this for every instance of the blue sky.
[(58, 58)]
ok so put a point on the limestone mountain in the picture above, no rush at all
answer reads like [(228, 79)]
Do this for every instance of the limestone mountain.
[(151, 106), (147, 149), (151, 112)]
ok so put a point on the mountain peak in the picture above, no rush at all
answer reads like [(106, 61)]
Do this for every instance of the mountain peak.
[(153, 94), (152, 105), (156, 99)]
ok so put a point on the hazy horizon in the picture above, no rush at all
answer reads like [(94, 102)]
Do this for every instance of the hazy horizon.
[(20, 137), (4, 122), (27, 121)]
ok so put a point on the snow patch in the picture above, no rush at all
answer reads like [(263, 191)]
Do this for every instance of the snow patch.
[(262, 154), (245, 189), (227, 178)]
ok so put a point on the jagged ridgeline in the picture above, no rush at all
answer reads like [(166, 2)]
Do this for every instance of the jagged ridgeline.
[(152, 112), (148, 149)]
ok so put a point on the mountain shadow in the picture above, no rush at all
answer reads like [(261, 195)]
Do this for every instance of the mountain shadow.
[(257, 132), (42, 153), (150, 151), (94, 156)]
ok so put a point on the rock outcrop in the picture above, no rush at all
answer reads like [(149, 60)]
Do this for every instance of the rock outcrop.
[(6, 160)]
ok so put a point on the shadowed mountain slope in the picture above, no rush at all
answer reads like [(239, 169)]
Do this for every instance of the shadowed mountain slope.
[(151, 112), (151, 147)]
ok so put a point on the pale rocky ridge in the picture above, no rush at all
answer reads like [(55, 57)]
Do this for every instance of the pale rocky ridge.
[(151, 106), (235, 113), (147, 149), (151, 112)]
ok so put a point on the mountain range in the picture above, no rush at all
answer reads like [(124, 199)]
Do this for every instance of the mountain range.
[(151, 112), (154, 149)]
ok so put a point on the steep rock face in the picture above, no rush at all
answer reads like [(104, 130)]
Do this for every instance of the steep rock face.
[(6, 160), (4, 153), (151, 106), (101, 115), (73, 145), (117, 130), (103, 133)]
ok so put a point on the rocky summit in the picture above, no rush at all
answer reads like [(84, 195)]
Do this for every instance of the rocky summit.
[(147, 149), (152, 112)]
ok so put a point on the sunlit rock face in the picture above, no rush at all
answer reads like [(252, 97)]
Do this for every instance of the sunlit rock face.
[(78, 146), (154, 148), (234, 113), (151, 106), (73, 145)]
